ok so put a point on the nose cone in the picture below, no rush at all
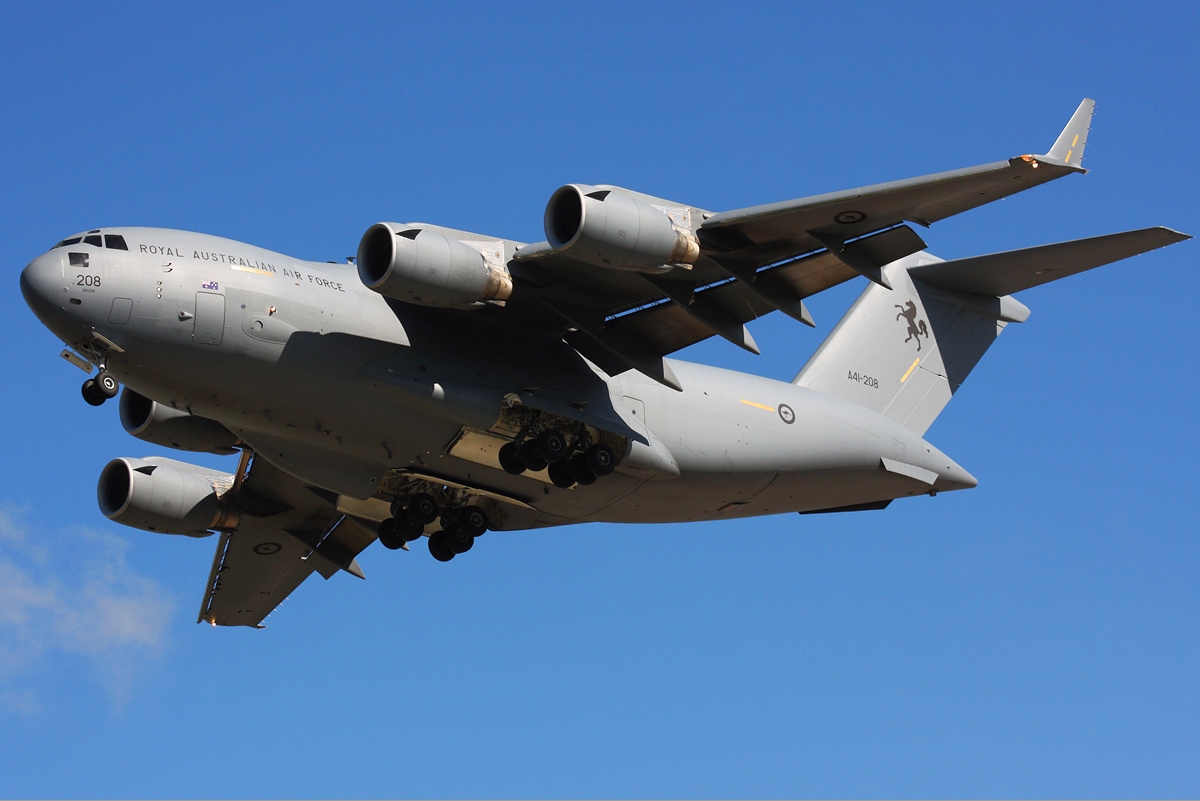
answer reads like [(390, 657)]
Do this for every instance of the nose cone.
[(43, 288)]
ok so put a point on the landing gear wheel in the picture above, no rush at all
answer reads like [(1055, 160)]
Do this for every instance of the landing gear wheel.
[(601, 459), (560, 475), (527, 452), (474, 521), (389, 536), (459, 539), (552, 445), (424, 508), (91, 394), (106, 385), (439, 547), (409, 527), (510, 461), (579, 470)]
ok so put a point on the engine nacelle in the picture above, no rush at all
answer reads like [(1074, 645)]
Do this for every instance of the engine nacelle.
[(422, 266), (609, 227), (154, 422), (165, 496)]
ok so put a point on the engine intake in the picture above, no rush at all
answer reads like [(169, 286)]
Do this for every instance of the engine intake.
[(609, 227), (154, 422), (422, 266), (165, 496)]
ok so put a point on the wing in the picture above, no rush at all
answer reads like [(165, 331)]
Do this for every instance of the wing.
[(765, 258), (286, 532)]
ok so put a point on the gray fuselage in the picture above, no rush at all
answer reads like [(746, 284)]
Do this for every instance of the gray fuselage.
[(341, 387)]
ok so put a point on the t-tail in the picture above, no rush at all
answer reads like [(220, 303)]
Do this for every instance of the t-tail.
[(905, 351)]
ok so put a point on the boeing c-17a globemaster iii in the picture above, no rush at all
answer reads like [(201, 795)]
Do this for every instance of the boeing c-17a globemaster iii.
[(456, 382)]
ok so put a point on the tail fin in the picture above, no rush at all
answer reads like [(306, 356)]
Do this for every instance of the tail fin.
[(905, 352)]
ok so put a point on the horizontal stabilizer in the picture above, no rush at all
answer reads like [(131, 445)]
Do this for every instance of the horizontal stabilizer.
[(999, 274), (1068, 148)]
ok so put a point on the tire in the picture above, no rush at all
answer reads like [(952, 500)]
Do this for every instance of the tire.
[(527, 452), (510, 461), (409, 527), (389, 535), (106, 385), (91, 395), (552, 445), (424, 508), (579, 470), (560, 475), (459, 539), (601, 459), (439, 547), (474, 521)]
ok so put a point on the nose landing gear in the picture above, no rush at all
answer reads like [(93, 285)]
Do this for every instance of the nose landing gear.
[(99, 389)]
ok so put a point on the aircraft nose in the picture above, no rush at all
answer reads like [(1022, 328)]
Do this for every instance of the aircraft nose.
[(42, 285)]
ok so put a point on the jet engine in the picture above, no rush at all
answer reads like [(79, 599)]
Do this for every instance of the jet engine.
[(610, 227), (160, 424), (165, 496), (420, 265)]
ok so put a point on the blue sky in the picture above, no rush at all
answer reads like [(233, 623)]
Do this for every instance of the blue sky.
[(1036, 636)]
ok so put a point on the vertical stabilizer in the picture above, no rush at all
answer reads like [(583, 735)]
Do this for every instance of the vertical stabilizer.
[(904, 352)]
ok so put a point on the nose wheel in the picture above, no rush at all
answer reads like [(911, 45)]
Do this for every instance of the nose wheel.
[(99, 389)]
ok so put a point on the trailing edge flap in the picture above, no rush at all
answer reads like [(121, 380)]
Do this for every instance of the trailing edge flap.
[(999, 274)]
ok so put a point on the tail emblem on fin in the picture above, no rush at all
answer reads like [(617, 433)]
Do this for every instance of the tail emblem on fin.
[(916, 328)]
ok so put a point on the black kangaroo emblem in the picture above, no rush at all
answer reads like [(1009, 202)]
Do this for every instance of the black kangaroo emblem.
[(916, 328)]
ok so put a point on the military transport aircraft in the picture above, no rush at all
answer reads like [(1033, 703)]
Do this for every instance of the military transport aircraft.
[(446, 383)]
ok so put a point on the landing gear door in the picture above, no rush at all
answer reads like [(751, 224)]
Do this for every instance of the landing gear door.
[(210, 318)]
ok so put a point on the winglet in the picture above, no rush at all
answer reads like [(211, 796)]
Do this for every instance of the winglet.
[(1068, 148)]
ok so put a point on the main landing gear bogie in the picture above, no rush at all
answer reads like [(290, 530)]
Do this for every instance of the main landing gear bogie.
[(565, 465), (457, 535), (99, 389)]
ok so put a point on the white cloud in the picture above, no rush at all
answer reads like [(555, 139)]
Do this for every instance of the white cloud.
[(93, 606)]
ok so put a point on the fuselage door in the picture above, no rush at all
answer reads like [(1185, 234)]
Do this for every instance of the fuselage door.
[(637, 409), (210, 318)]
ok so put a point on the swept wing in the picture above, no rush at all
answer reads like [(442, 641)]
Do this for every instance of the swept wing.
[(287, 532), (763, 258)]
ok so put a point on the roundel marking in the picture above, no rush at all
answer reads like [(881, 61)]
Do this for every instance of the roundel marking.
[(267, 548), (849, 217), (786, 414)]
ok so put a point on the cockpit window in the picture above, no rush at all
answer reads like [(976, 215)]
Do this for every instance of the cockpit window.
[(75, 240), (78, 259), (115, 241), (92, 240)]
